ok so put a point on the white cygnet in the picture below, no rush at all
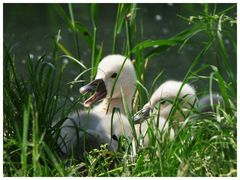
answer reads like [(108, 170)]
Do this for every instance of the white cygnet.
[(164, 95), (86, 130), (167, 93)]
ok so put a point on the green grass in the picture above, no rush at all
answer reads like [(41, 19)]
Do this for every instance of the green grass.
[(205, 145)]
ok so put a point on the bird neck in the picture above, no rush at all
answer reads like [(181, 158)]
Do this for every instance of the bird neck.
[(108, 104)]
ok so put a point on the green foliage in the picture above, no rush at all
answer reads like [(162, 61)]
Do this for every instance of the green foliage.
[(30, 107)]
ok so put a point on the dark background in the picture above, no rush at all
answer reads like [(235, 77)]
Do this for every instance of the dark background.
[(30, 28)]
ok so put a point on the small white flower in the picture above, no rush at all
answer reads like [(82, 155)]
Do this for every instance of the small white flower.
[(31, 56), (65, 61), (71, 98), (158, 17)]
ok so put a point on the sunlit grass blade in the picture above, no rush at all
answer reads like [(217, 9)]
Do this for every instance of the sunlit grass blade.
[(60, 170), (222, 87), (162, 45), (123, 9), (94, 14), (75, 60), (78, 27), (223, 52), (94, 65)]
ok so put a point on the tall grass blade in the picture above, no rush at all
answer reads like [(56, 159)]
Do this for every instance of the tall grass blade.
[(75, 60), (94, 65)]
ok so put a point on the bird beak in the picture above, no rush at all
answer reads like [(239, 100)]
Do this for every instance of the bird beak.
[(98, 87), (142, 115)]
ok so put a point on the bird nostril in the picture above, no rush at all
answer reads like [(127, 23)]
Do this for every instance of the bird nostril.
[(146, 112), (95, 84)]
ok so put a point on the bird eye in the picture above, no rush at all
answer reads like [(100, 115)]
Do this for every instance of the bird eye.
[(114, 75), (162, 101)]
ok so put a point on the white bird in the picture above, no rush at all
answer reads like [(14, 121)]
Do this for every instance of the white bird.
[(115, 81), (165, 95)]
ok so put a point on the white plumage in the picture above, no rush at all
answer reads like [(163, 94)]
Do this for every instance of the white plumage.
[(83, 131), (167, 92)]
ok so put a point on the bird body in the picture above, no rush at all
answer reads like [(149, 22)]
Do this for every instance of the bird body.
[(83, 130), (167, 92), (141, 129)]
